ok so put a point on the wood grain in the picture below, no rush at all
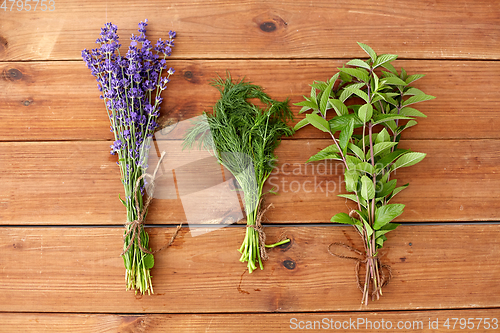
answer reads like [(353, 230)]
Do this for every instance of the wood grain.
[(60, 218), (262, 29), (80, 270), (78, 183), (59, 100), (415, 321)]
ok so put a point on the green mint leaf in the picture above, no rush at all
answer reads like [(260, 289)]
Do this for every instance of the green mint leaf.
[(351, 180), (380, 241), (358, 63), (369, 230), (334, 78), (398, 189), (304, 109), (389, 158), (307, 103), (344, 219), (355, 149), (417, 99), (393, 81), (390, 68), (352, 161), (386, 214), (408, 125), (301, 124), (375, 82), (313, 93), (385, 229), (320, 85), (407, 160), (346, 134), (368, 51), (411, 112), (383, 136), (318, 122), (349, 196), (382, 146), (339, 107), (383, 59), (338, 123), (329, 152), (387, 117), (413, 78), (357, 92), (367, 188), (365, 112), (387, 188), (323, 104), (365, 167), (413, 91), (403, 75), (347, 93), (388, 98), (359, 73)]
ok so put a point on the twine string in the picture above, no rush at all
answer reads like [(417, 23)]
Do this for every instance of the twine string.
[(384, 280), (260, 230), (134, 227)]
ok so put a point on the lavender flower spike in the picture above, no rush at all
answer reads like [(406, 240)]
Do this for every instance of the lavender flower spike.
[(130, 86)]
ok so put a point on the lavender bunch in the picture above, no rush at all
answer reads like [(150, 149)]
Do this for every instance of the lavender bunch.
[(131, 86)]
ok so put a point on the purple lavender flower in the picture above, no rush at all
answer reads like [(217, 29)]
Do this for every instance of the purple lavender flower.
[(126, 134), (143, 25), (116, 146), (163, 83), (148, 86), (130, 86), (141, 120), (160, 46), (148, 108)]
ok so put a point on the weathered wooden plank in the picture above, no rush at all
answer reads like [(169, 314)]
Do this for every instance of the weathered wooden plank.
[(80, 270), (59, 100), (78, 183), (257, 29), (409, 321)]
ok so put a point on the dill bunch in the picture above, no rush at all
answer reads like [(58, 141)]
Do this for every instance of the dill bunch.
[(243, 136)]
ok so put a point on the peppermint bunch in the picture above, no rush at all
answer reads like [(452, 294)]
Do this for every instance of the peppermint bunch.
[(131, 87), (373, 97)]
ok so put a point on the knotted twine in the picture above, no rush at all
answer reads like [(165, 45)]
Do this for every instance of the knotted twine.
[(134, 227), (260, 230), (364, 260)]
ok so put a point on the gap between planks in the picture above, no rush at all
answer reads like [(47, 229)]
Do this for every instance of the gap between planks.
[(241, 225), (60, 267), (226, 322)]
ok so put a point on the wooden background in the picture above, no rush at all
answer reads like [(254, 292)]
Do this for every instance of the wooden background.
[(60, 232)]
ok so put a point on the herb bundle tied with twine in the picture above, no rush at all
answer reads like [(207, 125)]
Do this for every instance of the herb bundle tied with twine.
[(243, 136), (372, 96)]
